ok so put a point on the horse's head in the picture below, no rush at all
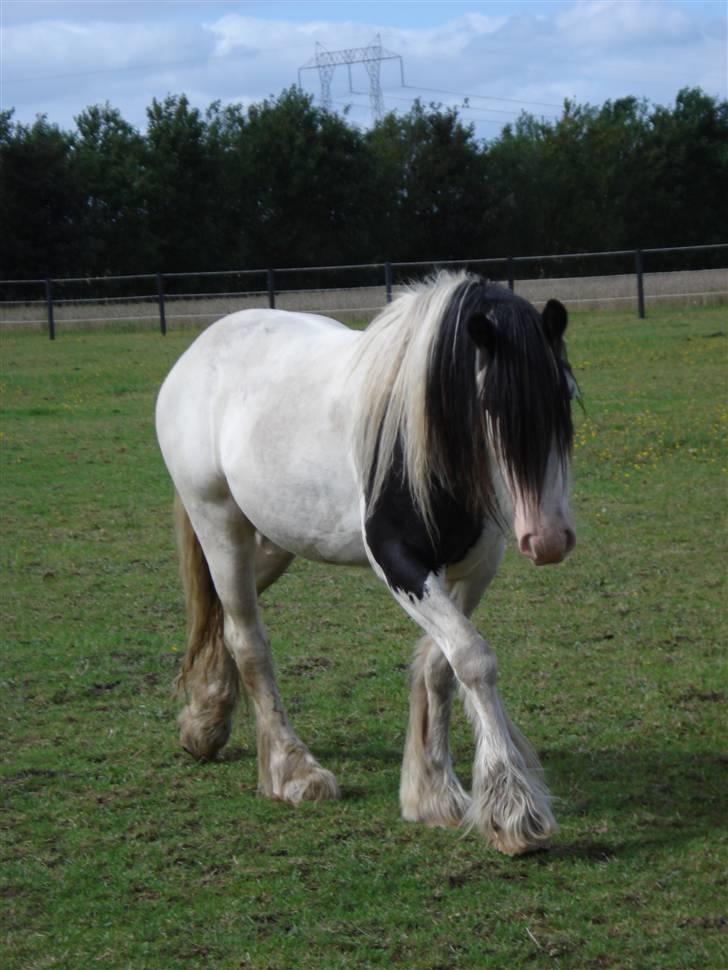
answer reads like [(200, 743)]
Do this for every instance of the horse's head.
[(474, 389), (526, 386)]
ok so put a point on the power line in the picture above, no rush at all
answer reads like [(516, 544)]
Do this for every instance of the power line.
[(362, 107), (326, 62), (464, 106), (482, 97)]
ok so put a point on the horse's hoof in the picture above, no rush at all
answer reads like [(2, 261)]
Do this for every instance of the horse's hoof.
[(202, 737), (317, 785), (444, 810), (519, 848)]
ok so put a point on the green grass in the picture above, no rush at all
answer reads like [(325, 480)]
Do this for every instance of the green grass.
[(120, 851)]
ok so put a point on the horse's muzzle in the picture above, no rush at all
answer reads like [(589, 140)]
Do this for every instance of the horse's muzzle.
[(546, 548)]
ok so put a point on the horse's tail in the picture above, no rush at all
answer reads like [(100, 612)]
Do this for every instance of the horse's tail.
[(206, 657)]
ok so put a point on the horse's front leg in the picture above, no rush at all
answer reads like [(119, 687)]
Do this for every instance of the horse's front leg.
[(510, 802), (429, 790)]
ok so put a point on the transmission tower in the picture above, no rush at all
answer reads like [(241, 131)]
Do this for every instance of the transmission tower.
[(326, 62)]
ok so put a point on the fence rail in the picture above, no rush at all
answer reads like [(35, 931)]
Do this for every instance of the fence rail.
[(638, 276)]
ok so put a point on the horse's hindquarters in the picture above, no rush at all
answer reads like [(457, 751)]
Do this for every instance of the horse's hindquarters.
[(259, 411)]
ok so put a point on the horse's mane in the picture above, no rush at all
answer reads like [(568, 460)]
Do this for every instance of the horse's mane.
[(422, 404)]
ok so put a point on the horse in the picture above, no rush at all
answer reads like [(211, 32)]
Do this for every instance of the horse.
[(412, 446)]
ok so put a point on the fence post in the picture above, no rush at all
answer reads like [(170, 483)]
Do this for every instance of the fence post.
[(388, 281), (160, 298), (511, 277), (640, 284), (271, 291), (49, 303)]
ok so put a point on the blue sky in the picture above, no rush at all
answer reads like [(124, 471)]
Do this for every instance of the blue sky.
[(491, 59)]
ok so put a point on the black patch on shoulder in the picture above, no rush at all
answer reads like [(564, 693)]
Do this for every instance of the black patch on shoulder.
[(400, 542)]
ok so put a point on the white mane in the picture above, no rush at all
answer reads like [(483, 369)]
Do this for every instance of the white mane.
[(395, 353)]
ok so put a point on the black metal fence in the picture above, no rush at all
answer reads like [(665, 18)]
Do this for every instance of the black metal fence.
[(614, 278)]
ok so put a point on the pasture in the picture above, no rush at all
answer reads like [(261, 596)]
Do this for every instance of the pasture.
[(117, 849)]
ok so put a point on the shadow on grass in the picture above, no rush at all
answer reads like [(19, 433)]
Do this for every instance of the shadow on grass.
[(673, 783), (636, 800), (633, 800)]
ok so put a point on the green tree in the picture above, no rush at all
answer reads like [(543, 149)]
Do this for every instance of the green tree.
[(178, 186), (109, 162), (433, 193), (283, 182), (613, 177), (520, 184), (299, 179), (683, 184), (40, 201), (226, 133), (590, 158)]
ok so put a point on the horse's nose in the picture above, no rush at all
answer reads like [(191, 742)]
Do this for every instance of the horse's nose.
[(545, 548)]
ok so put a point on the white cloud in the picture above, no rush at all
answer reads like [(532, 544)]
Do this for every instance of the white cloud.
[(75, 55), (233, 32), (616, 22)]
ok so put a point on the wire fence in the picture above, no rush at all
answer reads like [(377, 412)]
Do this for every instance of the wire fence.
[(356, 292)]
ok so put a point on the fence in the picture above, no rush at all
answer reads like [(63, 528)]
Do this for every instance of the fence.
[(594, 280)]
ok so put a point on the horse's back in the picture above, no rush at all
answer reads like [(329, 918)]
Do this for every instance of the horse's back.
[(231, 354), (250, 334)]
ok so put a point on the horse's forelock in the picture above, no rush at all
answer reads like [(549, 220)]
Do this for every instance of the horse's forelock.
[(526, 397), (521, 402), (455, 420)]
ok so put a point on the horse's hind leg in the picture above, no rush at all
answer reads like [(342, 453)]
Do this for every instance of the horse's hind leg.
[(286, 768), (209, 677), (242, 563)]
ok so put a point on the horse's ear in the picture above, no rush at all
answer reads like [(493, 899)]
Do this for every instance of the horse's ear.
[(554, 318), (482, 332)]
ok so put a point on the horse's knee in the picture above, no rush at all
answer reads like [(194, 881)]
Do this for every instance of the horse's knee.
[(475, 665)]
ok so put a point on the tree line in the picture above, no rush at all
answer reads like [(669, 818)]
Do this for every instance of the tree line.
[(285, 183)]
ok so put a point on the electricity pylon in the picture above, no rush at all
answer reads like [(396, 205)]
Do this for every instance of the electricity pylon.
[(326, 62)]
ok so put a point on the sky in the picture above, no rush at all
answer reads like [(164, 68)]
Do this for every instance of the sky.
[(492, 59)]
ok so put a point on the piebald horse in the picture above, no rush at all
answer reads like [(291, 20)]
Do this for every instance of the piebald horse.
[(413, 447)]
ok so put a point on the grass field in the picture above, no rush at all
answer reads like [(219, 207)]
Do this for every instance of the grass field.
[(118, 850)]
